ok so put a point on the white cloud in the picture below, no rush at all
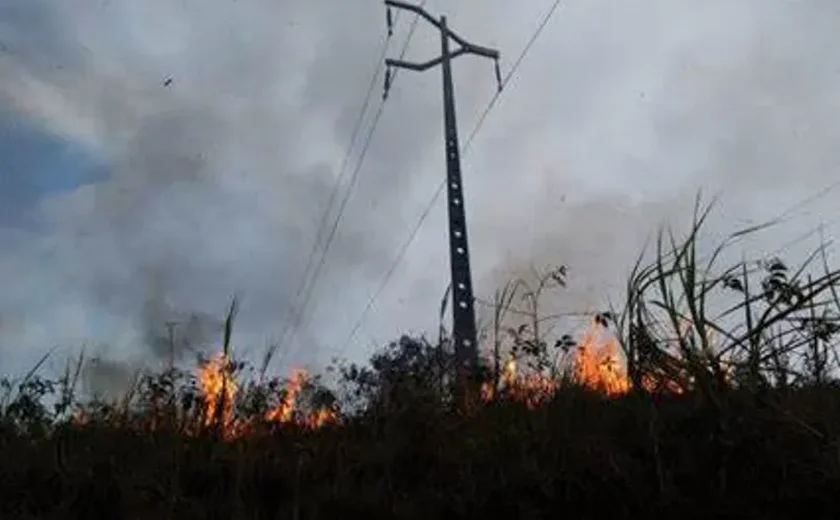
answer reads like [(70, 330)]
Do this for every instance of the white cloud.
[(217, 182)]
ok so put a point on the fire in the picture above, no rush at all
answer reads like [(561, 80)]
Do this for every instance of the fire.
[(531, 389), (219, 390), (285, 411), (598, 364), (219, 387)]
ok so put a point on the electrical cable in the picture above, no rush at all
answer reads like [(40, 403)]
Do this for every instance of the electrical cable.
[(353, 179), (338, 182)]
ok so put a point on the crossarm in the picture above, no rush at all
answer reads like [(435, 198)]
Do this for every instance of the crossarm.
[(467, 46), (415, 9), (422, 66)]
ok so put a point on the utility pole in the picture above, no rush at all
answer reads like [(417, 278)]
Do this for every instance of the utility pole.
[(463, 313), (170, 326)]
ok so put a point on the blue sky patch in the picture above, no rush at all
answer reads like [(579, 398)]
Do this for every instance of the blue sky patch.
[(35, 164)]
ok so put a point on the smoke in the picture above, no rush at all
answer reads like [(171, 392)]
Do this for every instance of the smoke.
[(108, 379), (221, 138), (216, 180), (175, 335)]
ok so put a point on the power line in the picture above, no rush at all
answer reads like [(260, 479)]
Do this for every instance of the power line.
[(321, 226), (464, 150), (787, 216), (353, 179), (804, 202), (805, 236)]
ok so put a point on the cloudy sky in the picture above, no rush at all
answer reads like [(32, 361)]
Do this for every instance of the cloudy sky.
[(126, 202)]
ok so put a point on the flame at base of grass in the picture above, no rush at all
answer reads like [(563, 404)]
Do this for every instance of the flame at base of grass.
[(218, 386), (219, 390), (598, 364), (287, 411), (532, 390)]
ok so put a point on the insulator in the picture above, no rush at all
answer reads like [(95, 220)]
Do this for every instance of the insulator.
[(498, 75), (390, 19)]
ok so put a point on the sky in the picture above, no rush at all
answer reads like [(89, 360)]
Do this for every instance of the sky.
[(127, 200)]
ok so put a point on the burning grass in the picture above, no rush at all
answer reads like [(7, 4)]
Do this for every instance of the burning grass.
[(712, 391), (219, 391)]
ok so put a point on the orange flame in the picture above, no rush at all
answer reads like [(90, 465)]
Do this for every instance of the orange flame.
[(287, 410), (217, 386), (598, 364), (219, 389)]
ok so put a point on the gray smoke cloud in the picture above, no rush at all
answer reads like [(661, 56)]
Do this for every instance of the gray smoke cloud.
[(107, 378), (217, 179)]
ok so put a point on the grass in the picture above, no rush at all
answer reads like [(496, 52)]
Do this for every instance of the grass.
[(734, 412)]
